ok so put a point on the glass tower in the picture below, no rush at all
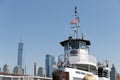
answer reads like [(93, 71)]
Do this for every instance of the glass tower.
[(50, 60), (20, 54), (113, 73), (41, 72)]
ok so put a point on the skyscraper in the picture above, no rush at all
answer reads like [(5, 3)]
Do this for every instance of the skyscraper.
[(18, 70), (35, 69), (20, 54), (113, 73), (50, 60), (6, 68), (42, 72), (0, 69)]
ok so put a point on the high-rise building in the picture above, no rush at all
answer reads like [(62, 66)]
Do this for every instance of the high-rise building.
[(113, 73), (35, 69), (6, 68), (0, 69), (41, 72), (18, 70), (20, 54), (50, 60)]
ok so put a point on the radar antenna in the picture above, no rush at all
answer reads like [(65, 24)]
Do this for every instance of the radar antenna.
[(83, 36)]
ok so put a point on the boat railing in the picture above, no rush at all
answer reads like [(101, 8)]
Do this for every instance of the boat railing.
[(103, 75), (61, 58), (92, 59), (10, 77), (83, 58), (79, 58)]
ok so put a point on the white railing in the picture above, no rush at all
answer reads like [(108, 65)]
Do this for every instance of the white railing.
[(9, 77), (82, 57), (92, 59)]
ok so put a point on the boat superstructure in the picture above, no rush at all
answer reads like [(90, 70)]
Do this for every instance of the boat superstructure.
[(77, 58)]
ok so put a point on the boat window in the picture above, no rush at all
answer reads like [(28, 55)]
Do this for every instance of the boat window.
[(74, 78), (86, 68), (66, 47), (81, 67), (83, 45), (74, 45)]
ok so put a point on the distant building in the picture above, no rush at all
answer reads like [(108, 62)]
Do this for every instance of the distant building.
[(50, 60), (113, 73), (41, 72), (6, 68), (0, 69), (18, 70), (35, 69), (20, 54)]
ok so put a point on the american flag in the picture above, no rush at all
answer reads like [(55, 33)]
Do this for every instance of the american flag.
[(75, 21)]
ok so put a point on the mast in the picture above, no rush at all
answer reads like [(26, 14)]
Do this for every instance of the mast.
[(76, 23)]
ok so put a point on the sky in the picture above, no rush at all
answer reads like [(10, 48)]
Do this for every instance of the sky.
[(42, 24)]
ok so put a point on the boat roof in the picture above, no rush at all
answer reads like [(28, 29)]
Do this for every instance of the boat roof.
[(77, 39)]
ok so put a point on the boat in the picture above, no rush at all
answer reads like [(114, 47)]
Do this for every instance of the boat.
[(77, 58)]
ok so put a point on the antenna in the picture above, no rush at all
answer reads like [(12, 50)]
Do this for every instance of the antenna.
[(83, 36), (20, 38), (75, 11)]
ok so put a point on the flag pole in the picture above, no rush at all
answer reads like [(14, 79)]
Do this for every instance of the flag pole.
[(76, 22)]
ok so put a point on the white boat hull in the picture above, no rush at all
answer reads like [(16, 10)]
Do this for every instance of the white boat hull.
[(75, 74)]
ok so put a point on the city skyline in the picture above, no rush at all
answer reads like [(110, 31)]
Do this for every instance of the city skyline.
[(43, 24)]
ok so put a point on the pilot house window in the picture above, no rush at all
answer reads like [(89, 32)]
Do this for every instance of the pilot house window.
[(83, 45), (74, 45)]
